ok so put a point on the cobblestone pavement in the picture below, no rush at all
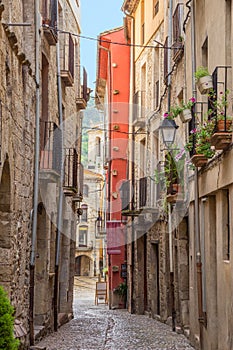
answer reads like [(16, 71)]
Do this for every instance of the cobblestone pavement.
[(96, 327)]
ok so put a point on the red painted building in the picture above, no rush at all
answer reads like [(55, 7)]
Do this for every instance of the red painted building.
[(112, 95)]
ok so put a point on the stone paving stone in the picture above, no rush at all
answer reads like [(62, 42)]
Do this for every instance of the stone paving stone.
[(97, 328)]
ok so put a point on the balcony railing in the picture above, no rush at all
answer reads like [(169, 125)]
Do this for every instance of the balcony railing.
[(146, 195), (83, 93), (217, 108), (178, 45), (67, 58), (139, 108), (70, 171), (49, 20), (50, 146)]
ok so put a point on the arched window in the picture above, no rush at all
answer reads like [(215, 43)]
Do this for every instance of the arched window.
[(83, 230)]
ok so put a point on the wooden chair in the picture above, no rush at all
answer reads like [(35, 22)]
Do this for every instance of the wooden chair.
[(101, 293)]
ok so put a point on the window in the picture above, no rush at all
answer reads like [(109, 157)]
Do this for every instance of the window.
[(85, 190), (142, 23), (157, 94), (98, 148), (177, 31), (166, 60), (83, 230), (84, 214), (226, 224), (155, 7)]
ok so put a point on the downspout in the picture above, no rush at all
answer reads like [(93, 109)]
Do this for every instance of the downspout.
[(196, 190), (60, 204), (169, 207), (36, 171), (131, 161), (109, 154), (110, 132)]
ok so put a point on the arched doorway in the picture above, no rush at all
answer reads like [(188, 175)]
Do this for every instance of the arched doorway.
[(83, 266), (5, 227)]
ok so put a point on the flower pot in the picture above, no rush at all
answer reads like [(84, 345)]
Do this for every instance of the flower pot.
[(221, 125), (199, 160), (185, 116), (221, 140), (205, 84)]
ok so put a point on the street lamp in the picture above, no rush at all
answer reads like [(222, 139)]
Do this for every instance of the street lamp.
[(168, 130)]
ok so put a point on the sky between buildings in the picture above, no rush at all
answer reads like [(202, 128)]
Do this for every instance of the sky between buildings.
[(97, 16)]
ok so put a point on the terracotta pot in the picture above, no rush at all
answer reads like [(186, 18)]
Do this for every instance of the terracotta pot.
[(186, 115), (199, 160), (221, 125), (205, 84)]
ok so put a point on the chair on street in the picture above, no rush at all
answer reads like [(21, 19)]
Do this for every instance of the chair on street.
[(101, 293)]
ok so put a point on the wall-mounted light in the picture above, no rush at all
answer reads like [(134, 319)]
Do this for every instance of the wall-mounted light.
[(168, 130), (116, 92), (114, 65)]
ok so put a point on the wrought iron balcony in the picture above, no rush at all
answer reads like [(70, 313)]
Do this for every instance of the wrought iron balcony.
[(70, 184), (83, 91), (146, 194), (139, 108), (50, 148), (49, 20), (178, 45), (67, 58)]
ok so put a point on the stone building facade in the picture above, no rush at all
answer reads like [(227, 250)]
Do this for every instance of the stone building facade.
[(38, 276), (90, 242), (180, 243)]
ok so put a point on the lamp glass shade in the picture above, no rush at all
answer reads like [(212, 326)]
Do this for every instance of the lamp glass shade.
[(168, 130)]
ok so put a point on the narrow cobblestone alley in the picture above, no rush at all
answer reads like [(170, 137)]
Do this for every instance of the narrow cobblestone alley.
[(96, 327)]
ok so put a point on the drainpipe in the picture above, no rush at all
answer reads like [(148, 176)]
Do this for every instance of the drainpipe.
[(60, 204), (110, 132), (196, 190), (36, 171), (109, 154), (169, 207), (132, 89)]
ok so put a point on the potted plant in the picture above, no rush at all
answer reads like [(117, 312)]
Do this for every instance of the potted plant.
[(200, 138), (121, 290), (221, 137), (183, 110), (203, 80), (171, 177)]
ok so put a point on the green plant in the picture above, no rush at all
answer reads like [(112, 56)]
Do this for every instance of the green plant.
[(7, 340), (177, 109), (173, 169), (219, 104), (201, 72), (105, 270), (200, 138), (121, 290)]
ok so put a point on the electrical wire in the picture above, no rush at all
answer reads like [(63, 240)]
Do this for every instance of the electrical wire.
[(121, 132), (106, 41)]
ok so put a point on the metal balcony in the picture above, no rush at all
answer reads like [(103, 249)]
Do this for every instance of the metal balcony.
[(70, 184), (83, 91), (49, 20), (139, 109), (50, 150), (67, 58)]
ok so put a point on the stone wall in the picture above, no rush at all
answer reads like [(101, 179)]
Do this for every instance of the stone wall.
[(17, 113)]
